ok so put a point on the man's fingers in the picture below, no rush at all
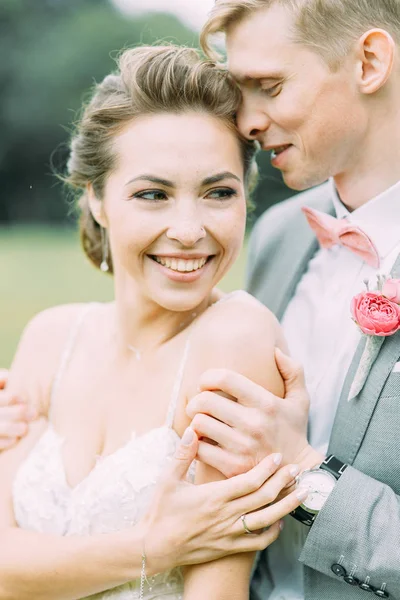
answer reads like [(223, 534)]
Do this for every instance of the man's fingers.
[(291, 371), (6, 443), (217, 406), (3, 378), (208, 427), (16, 412), (244, 390), (266, 516), (184, 456), (13, 429), (223, 461), (7, 399)]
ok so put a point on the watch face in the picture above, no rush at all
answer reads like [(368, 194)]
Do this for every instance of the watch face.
[(320, 485)]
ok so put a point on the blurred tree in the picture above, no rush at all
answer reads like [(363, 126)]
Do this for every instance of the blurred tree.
[(52, 51)]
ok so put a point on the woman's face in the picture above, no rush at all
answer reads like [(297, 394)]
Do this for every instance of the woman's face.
[(175, 207)]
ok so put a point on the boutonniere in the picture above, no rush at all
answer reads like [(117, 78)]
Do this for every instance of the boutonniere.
[(377, 314)]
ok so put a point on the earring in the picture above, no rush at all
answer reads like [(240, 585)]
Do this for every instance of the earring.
[(104, 249)]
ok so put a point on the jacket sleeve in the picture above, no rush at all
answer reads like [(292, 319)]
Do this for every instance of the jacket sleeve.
[(359, 528)]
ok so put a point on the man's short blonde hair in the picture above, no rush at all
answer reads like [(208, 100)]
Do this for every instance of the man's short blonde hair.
[(330, 27)]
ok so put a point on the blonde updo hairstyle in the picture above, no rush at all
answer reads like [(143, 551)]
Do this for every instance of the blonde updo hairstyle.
[(149, 80)]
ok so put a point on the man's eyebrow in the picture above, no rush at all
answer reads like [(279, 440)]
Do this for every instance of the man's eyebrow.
[(152, 179), (249, 77), (220, 177)]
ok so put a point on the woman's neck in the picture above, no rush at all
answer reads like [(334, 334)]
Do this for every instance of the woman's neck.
[(141, 325)]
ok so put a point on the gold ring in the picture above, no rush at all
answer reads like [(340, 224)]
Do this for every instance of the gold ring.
[(246, 529)]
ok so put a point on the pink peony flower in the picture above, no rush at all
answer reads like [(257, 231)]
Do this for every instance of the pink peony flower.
[(391, 290), (375, 314)]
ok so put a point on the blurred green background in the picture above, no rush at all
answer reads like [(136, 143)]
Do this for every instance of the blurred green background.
[(52, 52)]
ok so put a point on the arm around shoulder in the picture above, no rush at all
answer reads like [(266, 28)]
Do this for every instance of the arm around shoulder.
[(238, 334)]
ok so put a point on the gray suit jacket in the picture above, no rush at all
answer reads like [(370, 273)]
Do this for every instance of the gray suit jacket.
[(360, 523)]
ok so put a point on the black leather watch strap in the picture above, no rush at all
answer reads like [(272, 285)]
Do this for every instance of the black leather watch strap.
[(303, 516), (334, 466)]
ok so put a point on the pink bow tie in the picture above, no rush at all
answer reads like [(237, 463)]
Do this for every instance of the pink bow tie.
[(331, 231)]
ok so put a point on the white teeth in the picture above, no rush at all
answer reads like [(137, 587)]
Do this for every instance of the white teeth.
[(278, 150), (181, 265)]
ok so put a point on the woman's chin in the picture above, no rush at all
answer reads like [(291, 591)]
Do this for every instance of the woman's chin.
[(183, 302)]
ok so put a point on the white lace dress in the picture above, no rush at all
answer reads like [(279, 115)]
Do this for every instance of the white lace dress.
[(114, 495)]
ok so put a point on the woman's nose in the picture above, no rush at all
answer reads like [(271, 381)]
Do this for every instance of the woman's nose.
[(187, 230)]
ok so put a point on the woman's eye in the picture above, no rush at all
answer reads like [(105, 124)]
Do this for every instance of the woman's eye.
[(221, 194), (154, 195)]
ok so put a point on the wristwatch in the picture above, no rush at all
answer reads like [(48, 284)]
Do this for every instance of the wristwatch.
[(320, 481)]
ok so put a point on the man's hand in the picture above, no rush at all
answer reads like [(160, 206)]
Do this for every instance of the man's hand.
[(256, 424), (14, 415)]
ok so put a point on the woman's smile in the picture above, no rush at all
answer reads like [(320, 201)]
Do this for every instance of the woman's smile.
[(182, 268)]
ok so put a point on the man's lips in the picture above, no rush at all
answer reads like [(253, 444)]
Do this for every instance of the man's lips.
[(276, 149)]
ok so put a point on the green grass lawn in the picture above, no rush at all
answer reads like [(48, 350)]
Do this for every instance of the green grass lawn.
[(42, 267)]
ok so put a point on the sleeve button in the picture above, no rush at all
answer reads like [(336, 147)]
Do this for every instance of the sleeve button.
[(339, 570), (367, 588), (381, 594), (351, 580)]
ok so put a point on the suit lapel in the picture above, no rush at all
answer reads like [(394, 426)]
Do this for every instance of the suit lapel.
[(352, 418), (294, 271), (292, 266)]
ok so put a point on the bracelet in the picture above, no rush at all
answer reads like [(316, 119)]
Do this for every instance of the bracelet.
[(143, 577)]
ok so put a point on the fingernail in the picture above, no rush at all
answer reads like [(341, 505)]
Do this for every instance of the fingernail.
[(277, 459), (188, 437), (294, 470), (281, 525), (302, 493)]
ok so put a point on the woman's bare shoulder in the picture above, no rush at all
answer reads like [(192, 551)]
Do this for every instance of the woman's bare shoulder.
[(39, 352), (239, 333), (239, 320)]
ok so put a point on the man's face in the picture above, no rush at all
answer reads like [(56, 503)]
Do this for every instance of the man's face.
[(313, 120)]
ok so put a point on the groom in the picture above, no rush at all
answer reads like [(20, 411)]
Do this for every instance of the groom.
[(321, 88)]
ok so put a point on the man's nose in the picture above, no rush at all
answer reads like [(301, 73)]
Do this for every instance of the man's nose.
[(252, 119), (187, 229)]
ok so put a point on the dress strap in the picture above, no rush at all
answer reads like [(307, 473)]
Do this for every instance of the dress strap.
[(177, 385), (67, 352)]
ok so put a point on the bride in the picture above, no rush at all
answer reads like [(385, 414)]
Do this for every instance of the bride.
[(161, 177)]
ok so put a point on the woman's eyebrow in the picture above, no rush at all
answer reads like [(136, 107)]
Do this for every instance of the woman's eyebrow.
[(152, 179), (220, 177), (167, 183)]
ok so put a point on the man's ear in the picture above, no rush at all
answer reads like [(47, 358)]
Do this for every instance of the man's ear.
[(96, 207), (375, 54)]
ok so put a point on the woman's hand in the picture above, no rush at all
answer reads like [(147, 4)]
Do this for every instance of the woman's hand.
[(14, 415), (191, 524)]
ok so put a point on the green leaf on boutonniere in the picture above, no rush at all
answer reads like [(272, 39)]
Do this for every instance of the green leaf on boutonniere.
[(369, 356)]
